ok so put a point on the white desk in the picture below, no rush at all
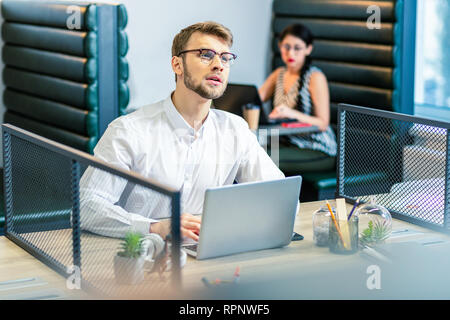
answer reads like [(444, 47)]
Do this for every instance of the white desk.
[(298, 271)]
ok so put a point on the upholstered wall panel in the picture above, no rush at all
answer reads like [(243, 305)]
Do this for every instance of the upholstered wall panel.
[(54, 64), (362, 53), (353, 52), (374, 76), (49, 14), (64, 136), (381, 77), (75, 43), (343, 9), (123, 70), (123, 43), (360, 95), (124, 96), (50, 112), (340, 30), (122, 17), (64, 81), (79, 95)]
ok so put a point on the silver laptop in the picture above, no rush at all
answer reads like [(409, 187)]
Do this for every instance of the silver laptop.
[(246, 217)]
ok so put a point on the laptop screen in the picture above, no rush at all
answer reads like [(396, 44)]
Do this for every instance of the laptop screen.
[(235, 96), (238, 95)]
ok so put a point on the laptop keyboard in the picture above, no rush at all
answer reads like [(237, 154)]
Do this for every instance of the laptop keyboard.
[(192, 247)]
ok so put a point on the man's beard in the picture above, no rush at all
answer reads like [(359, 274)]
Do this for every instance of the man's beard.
[(202, 91)]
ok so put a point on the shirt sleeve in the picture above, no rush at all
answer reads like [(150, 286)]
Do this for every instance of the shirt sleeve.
[(100, 191), (255, 165)]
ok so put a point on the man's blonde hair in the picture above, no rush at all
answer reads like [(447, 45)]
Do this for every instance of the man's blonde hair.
[(208, 27)]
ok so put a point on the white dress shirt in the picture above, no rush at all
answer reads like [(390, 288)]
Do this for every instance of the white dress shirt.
[(158, 143)]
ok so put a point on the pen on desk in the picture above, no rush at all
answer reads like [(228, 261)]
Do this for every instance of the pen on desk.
[(353, 209), (432, 242), (400, 231), (336, 225)]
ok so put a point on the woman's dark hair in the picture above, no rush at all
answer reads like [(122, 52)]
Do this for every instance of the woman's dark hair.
[(302, 32)]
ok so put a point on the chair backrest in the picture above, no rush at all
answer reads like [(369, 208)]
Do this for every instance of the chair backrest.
[(361, 64), (65, 69)]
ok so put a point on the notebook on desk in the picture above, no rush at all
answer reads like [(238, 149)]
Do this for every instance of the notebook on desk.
[(247, 217), (238, 95)]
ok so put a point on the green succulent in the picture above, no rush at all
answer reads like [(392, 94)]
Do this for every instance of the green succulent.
[(376, 233), (131, 245)]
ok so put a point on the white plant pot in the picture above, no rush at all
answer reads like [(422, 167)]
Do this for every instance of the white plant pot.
[(129, 270)]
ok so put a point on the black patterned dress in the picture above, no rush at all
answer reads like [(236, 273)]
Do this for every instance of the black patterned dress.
[(324, 141)]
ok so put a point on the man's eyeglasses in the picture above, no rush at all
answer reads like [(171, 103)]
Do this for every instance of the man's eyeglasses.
[(207, 56), (287, 47)]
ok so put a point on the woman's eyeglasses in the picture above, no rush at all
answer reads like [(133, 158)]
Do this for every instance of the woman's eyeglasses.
[(288, 47), (207, 56)]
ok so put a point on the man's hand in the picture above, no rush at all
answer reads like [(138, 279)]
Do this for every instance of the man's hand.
[(190, 226)]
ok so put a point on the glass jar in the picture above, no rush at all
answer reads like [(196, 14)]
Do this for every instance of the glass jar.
[(338, 242), (321, 221), (375, 223)]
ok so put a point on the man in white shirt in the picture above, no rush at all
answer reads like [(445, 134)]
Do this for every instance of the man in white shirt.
[(179, 142)]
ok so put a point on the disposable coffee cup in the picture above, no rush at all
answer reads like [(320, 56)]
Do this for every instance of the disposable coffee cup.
[(251, 115)]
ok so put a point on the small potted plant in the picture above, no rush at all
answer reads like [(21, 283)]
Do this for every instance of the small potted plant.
[(129, 262), (375, 234)]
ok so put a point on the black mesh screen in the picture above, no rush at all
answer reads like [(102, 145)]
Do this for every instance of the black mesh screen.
[(103, 226), (401, 160), (40, 203), (73, 213)]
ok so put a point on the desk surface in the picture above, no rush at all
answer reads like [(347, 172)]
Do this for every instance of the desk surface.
[(301, 257), (24, 277)]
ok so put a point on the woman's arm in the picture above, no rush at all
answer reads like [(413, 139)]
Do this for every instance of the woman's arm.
[(268, 87), (320, 97)]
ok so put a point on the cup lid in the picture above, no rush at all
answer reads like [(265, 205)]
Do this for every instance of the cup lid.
[(251, 106)]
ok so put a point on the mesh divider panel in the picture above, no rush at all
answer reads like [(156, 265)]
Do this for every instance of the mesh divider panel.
[(42, 202), (401, 160), (104, 199), (69, 210)]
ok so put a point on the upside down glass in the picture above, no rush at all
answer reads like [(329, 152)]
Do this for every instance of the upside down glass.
[(321, 222)]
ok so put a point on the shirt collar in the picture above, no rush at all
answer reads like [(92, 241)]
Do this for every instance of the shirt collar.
[(182, 128)]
